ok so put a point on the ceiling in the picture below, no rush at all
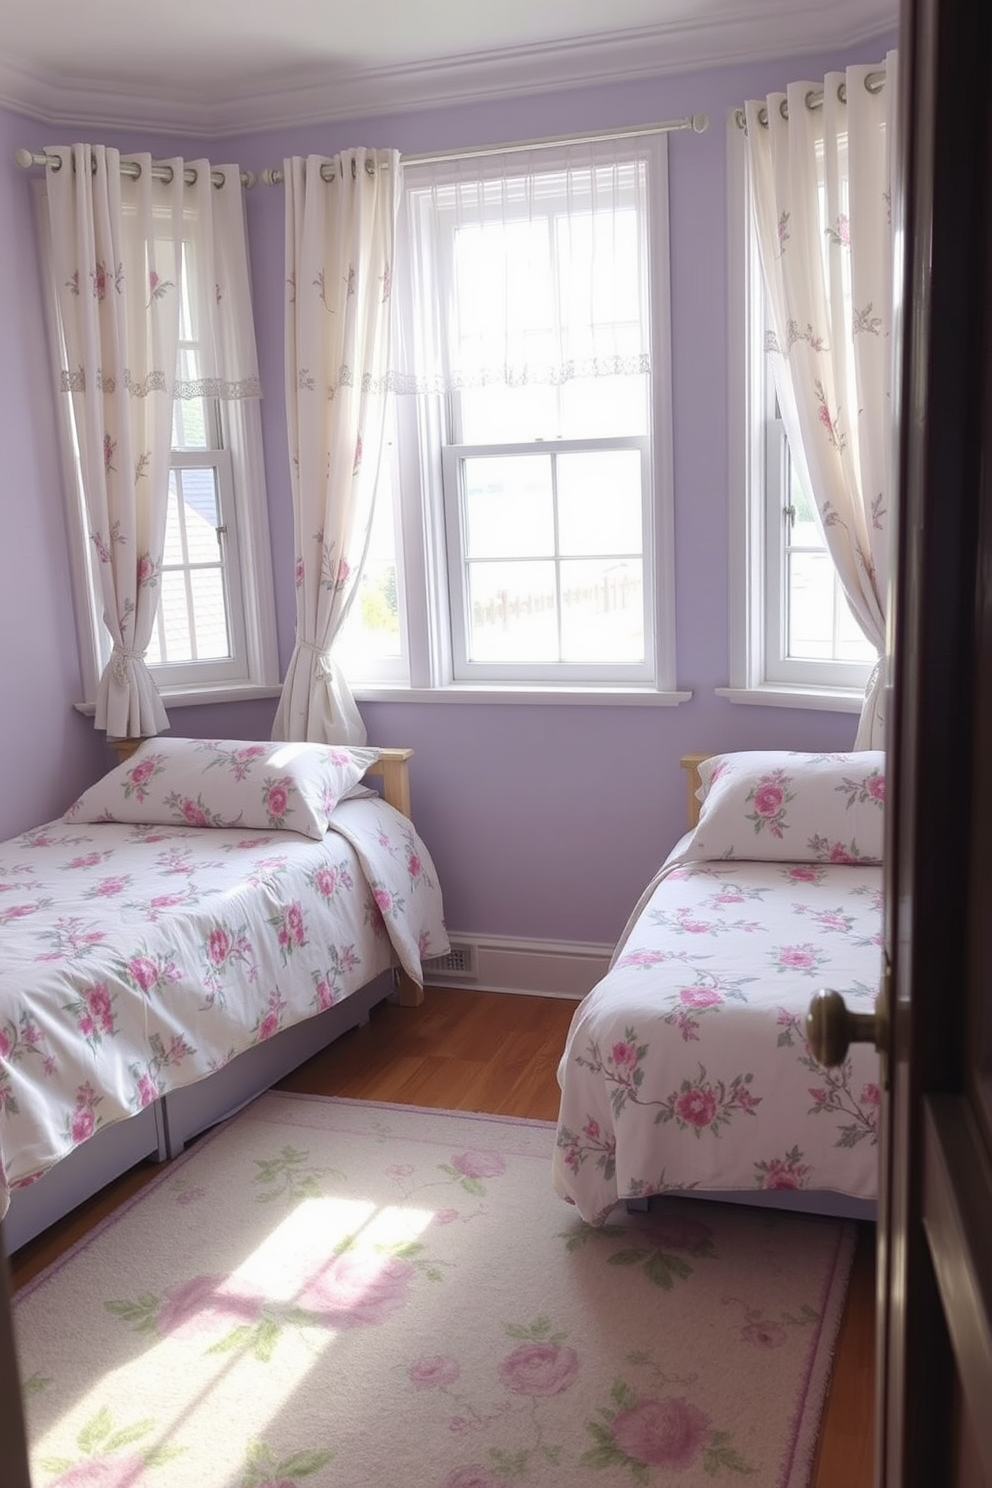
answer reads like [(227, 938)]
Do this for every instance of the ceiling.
[(214, 67)]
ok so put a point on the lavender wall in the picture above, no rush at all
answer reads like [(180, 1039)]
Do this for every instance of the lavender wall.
[(544, 821)]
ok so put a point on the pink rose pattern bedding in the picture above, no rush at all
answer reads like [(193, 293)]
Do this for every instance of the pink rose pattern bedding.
[(687, 1066), (137, 959)]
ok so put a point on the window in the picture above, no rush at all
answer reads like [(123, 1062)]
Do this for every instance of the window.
[(531, 475), (214, 631), (200, 618), (808, 619), (792, 630)]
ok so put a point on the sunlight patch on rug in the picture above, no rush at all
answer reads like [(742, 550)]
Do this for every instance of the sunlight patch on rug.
[(335, 1294), (339, 1224)]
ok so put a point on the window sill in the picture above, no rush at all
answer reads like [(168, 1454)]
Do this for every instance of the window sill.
[(190, 697), (775, 695), (618, 697)]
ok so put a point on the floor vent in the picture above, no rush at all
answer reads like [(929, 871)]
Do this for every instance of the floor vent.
[(459, 964)]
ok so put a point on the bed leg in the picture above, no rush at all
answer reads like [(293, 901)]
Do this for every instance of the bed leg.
[(161, 1133), (408, 993), (174, 1144)]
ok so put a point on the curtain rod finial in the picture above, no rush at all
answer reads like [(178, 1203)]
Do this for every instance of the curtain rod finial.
[(700, 123), (24, 158)]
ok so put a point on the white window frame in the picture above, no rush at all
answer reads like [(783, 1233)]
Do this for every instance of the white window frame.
[(254, 670), (552, 673), (430, 670), (761, 672), (170, 676)]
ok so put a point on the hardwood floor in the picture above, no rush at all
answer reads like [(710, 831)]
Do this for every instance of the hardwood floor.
[(485, 1051)]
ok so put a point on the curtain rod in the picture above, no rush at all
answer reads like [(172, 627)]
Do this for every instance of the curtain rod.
[(698, 123), (27, 158), (874, 82)]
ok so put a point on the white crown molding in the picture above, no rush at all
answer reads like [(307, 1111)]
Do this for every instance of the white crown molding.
[(298, 99)]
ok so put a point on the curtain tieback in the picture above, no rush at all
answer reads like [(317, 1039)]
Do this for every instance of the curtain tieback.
[(119, 658), (322, 670), (873, 677)]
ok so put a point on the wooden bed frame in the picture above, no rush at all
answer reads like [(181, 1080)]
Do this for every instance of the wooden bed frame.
[(161, 1130), (691, 763)]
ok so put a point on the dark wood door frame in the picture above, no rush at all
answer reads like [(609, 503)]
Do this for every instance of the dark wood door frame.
[(942, 209)]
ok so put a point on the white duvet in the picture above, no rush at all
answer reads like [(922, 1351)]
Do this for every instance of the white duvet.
[(687, 1066), (134, 960)]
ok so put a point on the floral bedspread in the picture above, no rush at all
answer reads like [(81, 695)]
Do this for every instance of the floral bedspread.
[(135, 960), (687, 1066)]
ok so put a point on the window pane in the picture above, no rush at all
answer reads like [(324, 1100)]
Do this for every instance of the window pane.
[(599, 503), (192, 624), (172, 553), (584, 408), (375, 611), (598, 279), (851, 643), (821, 625), (175, 639), (209, 614), (601, 407), (495, 415), (602, 611), (496, 261), (806, 530), (507, 502), (190, 424), (512, 613), (201, 514), (372, 631), (811, 603)]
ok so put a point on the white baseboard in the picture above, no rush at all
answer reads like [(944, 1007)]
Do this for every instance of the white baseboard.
[(541, 968)]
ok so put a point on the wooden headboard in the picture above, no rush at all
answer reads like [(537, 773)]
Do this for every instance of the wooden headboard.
[(691, 763)]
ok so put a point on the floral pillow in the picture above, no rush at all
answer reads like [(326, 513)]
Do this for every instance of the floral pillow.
[(784, 806), (227, 783)]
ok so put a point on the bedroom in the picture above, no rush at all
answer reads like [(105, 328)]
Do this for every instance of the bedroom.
[(481, 770)]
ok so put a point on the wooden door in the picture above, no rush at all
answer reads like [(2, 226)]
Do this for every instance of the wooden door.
[(935, 1223)]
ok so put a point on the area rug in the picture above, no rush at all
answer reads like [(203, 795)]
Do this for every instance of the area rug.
[(360, 1295)]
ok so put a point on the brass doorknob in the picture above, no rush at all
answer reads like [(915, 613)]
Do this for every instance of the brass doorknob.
[(831, 1027)]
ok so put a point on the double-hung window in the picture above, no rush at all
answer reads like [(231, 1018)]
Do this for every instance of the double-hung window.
[(527, 480), (199, 623), (794, 639), (214, 629)]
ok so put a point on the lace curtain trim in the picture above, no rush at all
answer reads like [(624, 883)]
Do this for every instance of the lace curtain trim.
[(157, 382), (517, 377)]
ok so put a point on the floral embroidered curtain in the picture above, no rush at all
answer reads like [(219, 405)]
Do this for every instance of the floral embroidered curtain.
[(821, 181), (141, 268), (340, 235)]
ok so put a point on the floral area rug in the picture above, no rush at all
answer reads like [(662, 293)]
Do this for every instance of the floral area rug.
[(359, 1295)]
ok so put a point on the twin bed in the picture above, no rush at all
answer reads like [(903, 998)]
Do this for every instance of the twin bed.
[(213, 912), (687, 1067), (204, 918)]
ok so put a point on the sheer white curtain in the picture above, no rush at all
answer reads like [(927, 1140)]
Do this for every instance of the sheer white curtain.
[(340, 238), (121, 252), (508, 268), (821, 188)]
